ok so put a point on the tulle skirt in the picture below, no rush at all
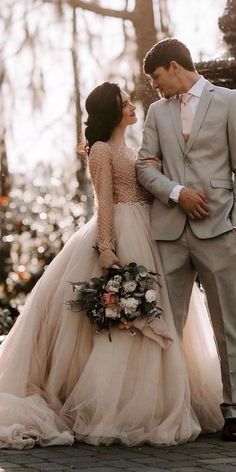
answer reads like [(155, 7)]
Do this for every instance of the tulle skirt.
[(60, 381)]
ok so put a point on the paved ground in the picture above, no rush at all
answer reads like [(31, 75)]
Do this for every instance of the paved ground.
[(209, 453)]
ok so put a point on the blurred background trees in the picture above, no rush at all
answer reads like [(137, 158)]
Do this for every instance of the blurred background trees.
[(53, 53)]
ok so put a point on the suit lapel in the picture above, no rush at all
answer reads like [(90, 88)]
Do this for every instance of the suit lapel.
[(201, 111), (176, 121)]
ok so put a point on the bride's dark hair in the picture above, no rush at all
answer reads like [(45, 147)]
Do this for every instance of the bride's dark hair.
[(104, 108)]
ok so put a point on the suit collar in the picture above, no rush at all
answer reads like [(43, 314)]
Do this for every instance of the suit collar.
[(204, 102)]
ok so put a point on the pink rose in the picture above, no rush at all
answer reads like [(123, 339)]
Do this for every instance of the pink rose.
[(110, 299)]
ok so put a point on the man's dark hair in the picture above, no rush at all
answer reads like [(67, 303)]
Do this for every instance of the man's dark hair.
[(165, 51)]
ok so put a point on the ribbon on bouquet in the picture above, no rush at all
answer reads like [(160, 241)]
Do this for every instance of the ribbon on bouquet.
[(155, 329)]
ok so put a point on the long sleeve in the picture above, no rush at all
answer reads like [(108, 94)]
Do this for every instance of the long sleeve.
[(100, 167), (151, 177)]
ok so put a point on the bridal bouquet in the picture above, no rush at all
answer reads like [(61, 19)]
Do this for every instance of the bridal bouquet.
[(118, 297)]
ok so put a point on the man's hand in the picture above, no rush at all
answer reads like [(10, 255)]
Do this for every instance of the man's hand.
[(193, 202), (107, 259)]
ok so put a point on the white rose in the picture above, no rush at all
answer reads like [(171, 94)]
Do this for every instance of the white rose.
[(130, 286), (112, 313), (131, 305), (142, 274), (151, 296), (112, 286), (113, 289), (118, 279), (123, 303)]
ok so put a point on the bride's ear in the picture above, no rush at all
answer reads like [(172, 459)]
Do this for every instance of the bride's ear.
[(82, 152)]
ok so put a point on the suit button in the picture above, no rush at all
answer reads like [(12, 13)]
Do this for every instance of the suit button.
[(188, 184), (187, 162)]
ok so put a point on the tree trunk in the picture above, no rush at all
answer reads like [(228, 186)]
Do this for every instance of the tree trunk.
[(147, 35), (5, 177), (4, 174), (81, 173), (4, 191)]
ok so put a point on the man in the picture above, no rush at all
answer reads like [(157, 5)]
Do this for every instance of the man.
[(193, 131)]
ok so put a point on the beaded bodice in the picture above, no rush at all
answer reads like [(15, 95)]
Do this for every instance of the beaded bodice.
[(113, 174)]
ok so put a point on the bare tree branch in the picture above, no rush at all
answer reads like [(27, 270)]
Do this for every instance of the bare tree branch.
[(95, 8), (164, 17)]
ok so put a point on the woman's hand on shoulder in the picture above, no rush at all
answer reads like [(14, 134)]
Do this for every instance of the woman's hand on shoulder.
[(107, 259)]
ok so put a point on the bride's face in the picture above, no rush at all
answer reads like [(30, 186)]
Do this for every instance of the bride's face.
[(128, 111)]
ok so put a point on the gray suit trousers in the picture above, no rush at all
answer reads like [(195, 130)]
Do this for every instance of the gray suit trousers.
[(215, 261)]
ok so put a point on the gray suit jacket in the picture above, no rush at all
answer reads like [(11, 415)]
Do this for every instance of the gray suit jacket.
[(206, 162)]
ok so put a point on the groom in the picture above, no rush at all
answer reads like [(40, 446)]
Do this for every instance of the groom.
[(193, 131)]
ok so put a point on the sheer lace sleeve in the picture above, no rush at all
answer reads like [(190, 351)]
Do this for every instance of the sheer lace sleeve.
[(100, 167)]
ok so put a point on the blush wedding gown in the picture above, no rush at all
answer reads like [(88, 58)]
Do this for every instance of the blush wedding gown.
[(60, 382)]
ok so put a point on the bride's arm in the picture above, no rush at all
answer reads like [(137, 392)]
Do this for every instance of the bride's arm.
[(100, 167), (152, 161)]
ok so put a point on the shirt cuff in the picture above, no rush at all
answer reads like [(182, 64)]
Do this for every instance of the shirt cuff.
[(175, 193)]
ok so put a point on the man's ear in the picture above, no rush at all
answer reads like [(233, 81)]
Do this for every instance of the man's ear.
[(175, 66)]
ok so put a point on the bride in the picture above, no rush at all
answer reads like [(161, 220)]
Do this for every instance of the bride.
[(59, 381)]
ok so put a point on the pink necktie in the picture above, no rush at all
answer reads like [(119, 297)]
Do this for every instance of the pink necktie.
[(186, 114)]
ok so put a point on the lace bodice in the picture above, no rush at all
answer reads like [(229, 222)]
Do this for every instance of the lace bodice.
[(113, 174)]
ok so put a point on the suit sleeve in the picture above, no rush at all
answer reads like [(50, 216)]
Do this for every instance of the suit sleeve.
[(232, 147), (150, 177)]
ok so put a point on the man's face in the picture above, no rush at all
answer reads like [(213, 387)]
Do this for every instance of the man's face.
[(165, 81)]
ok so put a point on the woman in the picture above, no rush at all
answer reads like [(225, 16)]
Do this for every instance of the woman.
[(58, 380)]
